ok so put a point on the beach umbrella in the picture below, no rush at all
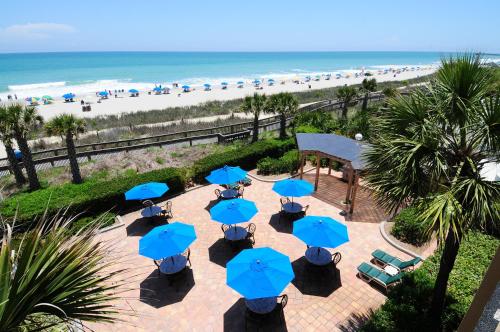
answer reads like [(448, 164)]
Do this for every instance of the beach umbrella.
[(133, 91), (69, 96), (224, 83), (46, 97), (259, 273), (32, 99), (233, 211), (167, 240), (256, 82), (206, 85), (18, 154), (103, 93), (240, 83), (318, 231), (226, 175), (157, 89), (186, 87), (293, 188), (146, 191)]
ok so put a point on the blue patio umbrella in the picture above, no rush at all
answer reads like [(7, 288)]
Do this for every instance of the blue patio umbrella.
[(233, 211), (293, 188), (259, 273), (133, 91), (206, 85), (146, 191), (226, 175), (157, 89), (69, 96), (186, 87), (103, 93), (256, 82), (318, 231), (240, 83), (167, 240)]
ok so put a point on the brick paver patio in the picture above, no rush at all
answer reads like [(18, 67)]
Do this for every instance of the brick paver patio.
[(205, 303)]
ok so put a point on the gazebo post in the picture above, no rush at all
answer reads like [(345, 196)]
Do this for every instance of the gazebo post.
[(318, 164), (329, 166), (349, 185), (353, 198), (302, 161)]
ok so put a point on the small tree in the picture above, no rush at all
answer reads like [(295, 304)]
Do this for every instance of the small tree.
[(6, 136), (367, 86), (285, 104), (346, 95), (68, 127), (23, 120), (256, 105)]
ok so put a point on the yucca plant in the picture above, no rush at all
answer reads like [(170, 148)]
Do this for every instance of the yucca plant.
[(49, 276), (432, 147)]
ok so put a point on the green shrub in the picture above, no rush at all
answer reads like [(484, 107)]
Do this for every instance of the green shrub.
[(321, 120), (406, 306), (247, 157), (91, 196), (308, 129), (288, 163), (410, 230)]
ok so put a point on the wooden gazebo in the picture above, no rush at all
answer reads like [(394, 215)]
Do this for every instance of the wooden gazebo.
[(335, 148)]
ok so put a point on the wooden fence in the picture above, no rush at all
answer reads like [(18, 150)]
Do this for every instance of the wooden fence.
[(221, 134)]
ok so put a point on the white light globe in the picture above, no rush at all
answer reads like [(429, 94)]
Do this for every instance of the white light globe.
[(358, 137)]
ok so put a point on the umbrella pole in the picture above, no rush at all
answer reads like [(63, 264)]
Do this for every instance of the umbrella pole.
[(318, 250), (173, 261)]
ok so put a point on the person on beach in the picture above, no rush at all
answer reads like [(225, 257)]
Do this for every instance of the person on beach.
[(15, 96)]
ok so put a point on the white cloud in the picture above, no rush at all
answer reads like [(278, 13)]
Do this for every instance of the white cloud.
[(34, 31)]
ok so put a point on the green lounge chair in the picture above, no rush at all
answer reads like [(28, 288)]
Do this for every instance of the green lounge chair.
[(385, 259), (371, 273)]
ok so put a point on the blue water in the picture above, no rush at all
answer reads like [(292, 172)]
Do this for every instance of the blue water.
[(62, 72)]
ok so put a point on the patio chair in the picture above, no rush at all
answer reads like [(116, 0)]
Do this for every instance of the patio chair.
[(283, 213), (240, 191), (251, 233), (246, 181), (218, 193), (167, 210), (264, 320), (370, 273), (384, 259), (224, 228), (174, 277), (147, 203), (303, 213)]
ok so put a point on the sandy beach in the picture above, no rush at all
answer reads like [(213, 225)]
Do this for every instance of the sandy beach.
[(124, 103)]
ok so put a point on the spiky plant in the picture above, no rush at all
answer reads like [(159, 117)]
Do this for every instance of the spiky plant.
[(285, 104), (432, 147), (49, 277), (367, 86), (346, 95), (255, 105)]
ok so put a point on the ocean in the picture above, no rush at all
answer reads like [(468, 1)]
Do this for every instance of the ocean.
[(37, 74)]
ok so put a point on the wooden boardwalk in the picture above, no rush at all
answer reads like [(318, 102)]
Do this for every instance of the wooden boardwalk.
[(332, 190)]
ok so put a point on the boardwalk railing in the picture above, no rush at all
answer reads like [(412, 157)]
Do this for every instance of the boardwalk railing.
[(221, 134)]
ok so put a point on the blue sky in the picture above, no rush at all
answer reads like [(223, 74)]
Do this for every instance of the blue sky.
[(257, 25)]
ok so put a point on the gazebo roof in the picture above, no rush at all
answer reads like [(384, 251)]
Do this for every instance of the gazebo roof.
[(335, 146)]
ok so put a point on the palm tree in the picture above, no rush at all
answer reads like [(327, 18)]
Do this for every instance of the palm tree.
[(255, 105), (285, 104), (432, 147), (367, 86), (23, 120), (346, 95), (6, 136), (68, 127), (51, 277)]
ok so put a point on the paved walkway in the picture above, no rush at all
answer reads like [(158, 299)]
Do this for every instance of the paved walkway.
[(205, 303)]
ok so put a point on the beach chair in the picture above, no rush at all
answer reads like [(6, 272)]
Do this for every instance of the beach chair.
[(166, 211), (370, 273), (384, 259)]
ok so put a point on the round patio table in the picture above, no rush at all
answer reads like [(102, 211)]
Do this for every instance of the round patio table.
[(318, 256), (229, 193), (262, 306), (292, 207), (173, 264), (151, 211), (235, 233)]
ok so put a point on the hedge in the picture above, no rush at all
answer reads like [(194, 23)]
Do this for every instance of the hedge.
[(409, 229), (288, 163), (93, 195), (246, 157), (406, 306)]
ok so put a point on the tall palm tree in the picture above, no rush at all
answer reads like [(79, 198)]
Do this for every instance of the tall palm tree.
[(285, 104), (68, 126), (52, 277), (6, 136), (432, 147), (367, 86), (346, 95), (256, 105), (23, 120)]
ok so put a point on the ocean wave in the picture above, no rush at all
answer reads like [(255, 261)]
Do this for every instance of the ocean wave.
[(24, 87)]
